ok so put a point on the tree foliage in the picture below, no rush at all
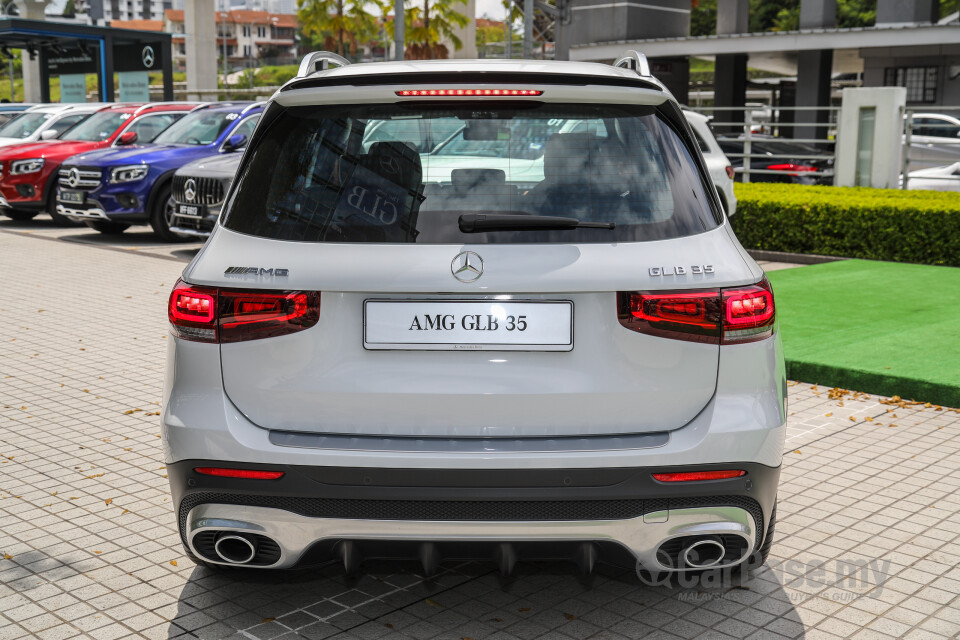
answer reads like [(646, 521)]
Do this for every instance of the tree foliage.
[(429, 23), (337, 25)]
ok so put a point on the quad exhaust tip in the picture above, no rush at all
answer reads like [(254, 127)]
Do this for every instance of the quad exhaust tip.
[(235, 549), (703, 553)]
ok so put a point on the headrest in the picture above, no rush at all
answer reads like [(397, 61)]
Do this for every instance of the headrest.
[(567, 155), (395, 161), (464, 179)]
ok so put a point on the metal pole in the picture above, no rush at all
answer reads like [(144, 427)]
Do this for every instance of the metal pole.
[(527, 29), (224, 35), (398, 36), (747, 156), (907, 134), (508, 36), (12, 97)]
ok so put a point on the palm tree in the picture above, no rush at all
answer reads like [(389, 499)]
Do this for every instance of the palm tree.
[(427, 25), (336, 23)]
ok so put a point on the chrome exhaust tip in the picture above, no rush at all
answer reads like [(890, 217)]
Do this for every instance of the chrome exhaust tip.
[(703, 553), (234, 549)]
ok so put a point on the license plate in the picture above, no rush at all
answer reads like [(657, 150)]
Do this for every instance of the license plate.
[(191, 210), (468, 325), (75, 197)]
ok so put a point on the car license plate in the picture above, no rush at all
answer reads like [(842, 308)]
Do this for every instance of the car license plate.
[(191, 210), (468, 325), (75, 197)]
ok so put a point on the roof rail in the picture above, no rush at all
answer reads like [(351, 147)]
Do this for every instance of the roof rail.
[(319, 61), (635, 61), (150, 105), (252, 106), (210, 105)]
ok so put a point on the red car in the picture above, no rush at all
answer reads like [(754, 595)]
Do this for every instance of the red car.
[(28, 172)]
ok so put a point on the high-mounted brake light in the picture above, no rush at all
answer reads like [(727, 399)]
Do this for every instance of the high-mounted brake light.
[(715, 316), (697, 476), (209, 314), (248, 474), (790, 168), (446, 93)]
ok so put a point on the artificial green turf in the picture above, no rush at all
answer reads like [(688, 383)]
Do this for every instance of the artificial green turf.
[(877, 327)]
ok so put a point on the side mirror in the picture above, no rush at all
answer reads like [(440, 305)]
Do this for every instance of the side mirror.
[(128, 137), (49, 134), (235, 142)]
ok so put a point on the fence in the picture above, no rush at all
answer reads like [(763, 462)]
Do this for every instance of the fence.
[(931, 138), (762, 124)]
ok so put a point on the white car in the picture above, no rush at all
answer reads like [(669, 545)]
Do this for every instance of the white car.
[(45, 122), (717, 162), (936, 179), (366, 364), (934, 141)]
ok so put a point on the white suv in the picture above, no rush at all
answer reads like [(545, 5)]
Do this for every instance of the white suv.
[(572, 361)]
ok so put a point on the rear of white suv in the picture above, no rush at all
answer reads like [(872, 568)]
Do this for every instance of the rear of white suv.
[(560, 351)]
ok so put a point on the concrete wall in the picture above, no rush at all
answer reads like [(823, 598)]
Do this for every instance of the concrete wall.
[(609, 20)]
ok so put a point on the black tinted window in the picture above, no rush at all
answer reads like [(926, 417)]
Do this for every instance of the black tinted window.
[(326, 174)]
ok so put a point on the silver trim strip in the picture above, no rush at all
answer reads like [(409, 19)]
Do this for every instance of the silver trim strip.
[(295, 533), (95, 214)]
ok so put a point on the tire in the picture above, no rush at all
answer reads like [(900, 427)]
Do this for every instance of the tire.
[(20, 215), (161, 215), (106, 227)]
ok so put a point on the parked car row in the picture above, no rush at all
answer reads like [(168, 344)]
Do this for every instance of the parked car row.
[(112, 166)]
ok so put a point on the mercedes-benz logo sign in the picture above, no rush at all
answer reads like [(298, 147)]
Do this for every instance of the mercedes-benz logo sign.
[(190, 189), (73, 178), (467, 266), (148, 57)]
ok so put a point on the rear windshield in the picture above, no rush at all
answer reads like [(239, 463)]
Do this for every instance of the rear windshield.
[(406, 173)]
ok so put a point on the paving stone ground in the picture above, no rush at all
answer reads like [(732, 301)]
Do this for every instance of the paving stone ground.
[(89, 548)]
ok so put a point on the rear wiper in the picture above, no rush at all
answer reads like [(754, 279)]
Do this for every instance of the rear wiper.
[(478, 222)]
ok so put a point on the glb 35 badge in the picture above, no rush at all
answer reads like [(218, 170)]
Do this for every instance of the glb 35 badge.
[(695, 269)]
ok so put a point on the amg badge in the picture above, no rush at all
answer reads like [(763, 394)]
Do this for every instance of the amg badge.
[(256, 271)]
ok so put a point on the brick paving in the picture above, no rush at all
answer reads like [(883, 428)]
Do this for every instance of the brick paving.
[(88, 545)]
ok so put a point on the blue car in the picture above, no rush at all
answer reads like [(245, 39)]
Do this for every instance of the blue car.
[(112, 189)]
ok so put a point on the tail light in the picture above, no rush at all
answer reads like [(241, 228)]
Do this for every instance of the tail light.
[(730, 172), (791, 169), (698, 476), (209, 314), (713, 316)]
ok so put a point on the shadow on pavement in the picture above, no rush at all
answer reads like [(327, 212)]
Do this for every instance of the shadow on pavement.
[(468, 600)]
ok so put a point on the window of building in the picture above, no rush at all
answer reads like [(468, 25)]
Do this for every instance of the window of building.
[(920, 82), (246, 50), (261, 32), (246, 31)]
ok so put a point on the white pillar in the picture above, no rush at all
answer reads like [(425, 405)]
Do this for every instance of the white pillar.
[(467, 34), (31, 10), (200, 24)]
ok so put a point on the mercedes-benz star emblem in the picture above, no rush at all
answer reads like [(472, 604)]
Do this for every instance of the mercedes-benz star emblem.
[(73, 177), (148, 57), (190, 189), (390, 164), (467, 266)]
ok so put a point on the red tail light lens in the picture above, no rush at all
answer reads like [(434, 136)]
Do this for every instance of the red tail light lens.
[(697, 476), (789, 167), (691, 316), (193, 312), (249, 474), (730, 171), (250, 315), (727, 316), (208, 314), (440, 93)]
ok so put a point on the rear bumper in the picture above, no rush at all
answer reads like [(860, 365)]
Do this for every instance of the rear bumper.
[(623, 516)]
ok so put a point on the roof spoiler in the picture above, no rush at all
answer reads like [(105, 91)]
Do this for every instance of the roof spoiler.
[(635, 61), (319, 61)]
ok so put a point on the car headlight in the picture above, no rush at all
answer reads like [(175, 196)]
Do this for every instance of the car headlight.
[(21, 167), (128, 174)]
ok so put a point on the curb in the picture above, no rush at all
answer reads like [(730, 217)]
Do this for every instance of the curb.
[(875, 383), (796, 258)]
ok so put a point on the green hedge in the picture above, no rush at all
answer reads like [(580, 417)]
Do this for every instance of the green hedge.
[(853, 222)]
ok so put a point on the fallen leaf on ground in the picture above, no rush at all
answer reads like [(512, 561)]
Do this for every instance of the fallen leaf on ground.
[(432, 603), (173, 562), (7, 556), (108, 501), (569, 616), (524, 609), (829, 414), (269, 619)]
